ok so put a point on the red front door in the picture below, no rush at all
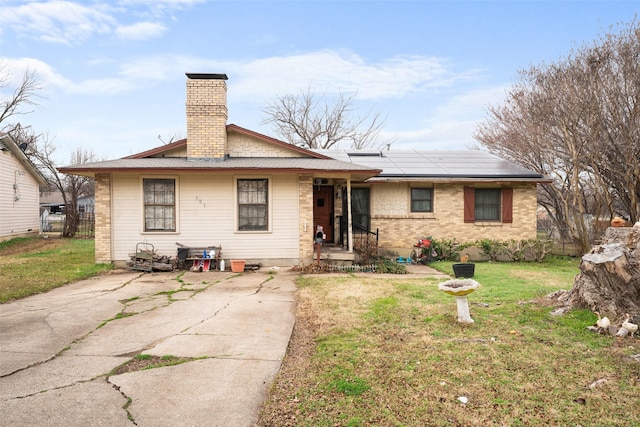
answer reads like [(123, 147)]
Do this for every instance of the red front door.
[(323, 210)]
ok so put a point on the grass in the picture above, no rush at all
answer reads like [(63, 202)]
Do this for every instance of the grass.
[(34, 265), (390, 352)]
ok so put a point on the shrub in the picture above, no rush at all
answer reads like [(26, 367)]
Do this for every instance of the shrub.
[(514, 249), (538, 248), (447, 249), (492, 248), (366, 248), (384, 265)]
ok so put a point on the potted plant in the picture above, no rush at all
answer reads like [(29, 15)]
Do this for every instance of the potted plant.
[(464, 268)]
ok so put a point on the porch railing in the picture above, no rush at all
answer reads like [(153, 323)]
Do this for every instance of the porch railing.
[(361, 233)]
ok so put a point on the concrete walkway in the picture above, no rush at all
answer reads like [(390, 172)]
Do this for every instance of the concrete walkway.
[(58, 349)]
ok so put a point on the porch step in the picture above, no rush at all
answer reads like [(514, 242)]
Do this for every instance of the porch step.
[(336, 253)]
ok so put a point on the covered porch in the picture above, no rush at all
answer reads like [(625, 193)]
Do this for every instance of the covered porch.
[(343, 215)]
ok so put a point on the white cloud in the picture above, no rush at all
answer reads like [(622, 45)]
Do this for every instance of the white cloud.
[(140, 31), (43, 73), (57, 21), (330, 72), (71, 23), (326, 71), (159, 7), (453, 123)]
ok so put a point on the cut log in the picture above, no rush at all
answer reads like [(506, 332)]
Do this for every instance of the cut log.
[(609, 278)]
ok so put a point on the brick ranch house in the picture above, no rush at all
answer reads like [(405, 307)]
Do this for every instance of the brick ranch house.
[(261, 199)]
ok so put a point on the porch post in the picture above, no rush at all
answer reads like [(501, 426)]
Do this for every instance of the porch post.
[(305, 226), (349, 220), (102, 212)]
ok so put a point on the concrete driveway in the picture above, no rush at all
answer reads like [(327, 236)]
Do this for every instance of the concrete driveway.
[(58, 349)]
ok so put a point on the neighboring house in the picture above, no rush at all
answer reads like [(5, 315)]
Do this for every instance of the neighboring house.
[(20, 183), (261, 199), (52, 210), (53, 202)]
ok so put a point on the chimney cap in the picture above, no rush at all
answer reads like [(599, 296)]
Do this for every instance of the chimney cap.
[(206, 76)]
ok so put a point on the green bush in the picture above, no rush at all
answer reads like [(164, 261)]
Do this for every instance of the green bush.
[(492, 248), (390, 266), (447, 249)]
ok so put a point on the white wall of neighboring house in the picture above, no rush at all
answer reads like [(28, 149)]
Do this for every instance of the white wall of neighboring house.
[(19, 198)]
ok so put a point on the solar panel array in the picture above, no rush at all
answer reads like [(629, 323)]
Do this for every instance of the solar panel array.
[(413, 163)]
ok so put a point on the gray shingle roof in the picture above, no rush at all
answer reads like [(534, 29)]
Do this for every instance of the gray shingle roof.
[(395, 165), (292, 164)]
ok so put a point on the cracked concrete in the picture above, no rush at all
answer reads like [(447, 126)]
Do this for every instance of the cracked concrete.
[(57, 350)]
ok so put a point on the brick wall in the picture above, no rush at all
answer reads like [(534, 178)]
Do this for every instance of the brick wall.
[(103, 218), (206, 118), (399, 228)]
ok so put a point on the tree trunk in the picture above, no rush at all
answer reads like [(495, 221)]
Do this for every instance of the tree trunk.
[(609, 278)]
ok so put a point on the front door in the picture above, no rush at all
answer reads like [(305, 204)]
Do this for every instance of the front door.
[(323, 210)]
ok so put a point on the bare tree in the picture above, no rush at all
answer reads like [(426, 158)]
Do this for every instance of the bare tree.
[(311, 122), (578, 122), (40, 150), (22, 96)]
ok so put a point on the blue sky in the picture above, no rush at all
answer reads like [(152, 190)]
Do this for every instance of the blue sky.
[(113, 72)]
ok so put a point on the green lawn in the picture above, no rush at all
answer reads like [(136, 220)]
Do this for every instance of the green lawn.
[(33, 265), (368, 351)]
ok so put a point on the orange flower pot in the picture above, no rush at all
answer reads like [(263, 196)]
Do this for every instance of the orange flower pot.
[(237, 265)]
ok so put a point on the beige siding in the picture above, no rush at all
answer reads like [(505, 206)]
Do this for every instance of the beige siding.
[(206, 215), (245, 146), (178, 152), (399, 228), (17, 217)]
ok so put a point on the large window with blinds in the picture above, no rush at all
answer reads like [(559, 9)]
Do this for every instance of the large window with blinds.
[(253, 208), (159, 204)]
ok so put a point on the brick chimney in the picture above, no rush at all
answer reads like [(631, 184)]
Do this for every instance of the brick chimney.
[(206, 116)]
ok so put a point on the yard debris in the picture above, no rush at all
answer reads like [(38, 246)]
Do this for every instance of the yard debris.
[(160, 262), (598, 383)]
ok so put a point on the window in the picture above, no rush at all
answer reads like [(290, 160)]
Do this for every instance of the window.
[(360, 212), (422, 200), (253, 205), (488, 204), (159, 204)]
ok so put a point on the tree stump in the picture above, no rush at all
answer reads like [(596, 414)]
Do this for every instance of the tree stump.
[(609, 278)]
